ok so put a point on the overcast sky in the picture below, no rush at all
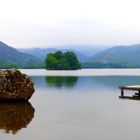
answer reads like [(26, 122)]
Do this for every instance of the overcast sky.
[(29, 23)]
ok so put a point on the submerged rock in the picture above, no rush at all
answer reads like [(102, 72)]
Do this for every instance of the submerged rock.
[(15, 86)]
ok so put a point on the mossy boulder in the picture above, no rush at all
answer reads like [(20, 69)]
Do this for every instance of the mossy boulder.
[(15, 86)]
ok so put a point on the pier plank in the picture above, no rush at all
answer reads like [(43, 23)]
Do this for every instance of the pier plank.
[(131, 87)]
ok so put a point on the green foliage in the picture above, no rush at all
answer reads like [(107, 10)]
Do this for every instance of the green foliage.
[(72, 60), (10, 64), (108, 65), (62, 61)]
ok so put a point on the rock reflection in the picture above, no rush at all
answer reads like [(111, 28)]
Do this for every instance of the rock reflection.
[(15, 116), (64, 81)]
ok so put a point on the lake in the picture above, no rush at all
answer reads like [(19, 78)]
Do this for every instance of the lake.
[(74, 105)]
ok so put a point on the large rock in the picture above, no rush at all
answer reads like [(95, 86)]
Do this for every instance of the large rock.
[(15, 86)]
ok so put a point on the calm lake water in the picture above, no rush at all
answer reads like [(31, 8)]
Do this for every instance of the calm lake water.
[(74, 107)]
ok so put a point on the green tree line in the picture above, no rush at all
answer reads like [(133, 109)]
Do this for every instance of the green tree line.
[(62, 61)]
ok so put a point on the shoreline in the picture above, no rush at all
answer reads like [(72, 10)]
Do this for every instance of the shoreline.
[(82, 72)]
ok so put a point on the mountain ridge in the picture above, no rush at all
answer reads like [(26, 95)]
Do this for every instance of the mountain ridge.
[(122, 56), (83, 54), (10, 55), (119, 55)]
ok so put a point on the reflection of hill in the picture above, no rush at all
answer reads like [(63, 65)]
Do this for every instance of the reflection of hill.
[(15, 116), (58, 81)]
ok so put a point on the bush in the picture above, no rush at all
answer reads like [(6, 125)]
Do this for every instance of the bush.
[(62, 61)]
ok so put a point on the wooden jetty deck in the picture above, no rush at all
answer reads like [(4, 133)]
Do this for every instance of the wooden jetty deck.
[(132, 87)]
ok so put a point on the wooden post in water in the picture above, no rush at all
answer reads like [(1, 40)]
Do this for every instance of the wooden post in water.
[(138, 94), (122, 92)]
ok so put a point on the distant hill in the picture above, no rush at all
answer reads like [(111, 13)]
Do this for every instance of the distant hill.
[(128, 56), (41, 53), (11, 56), (38, 52), (114, 57), (83, 53)]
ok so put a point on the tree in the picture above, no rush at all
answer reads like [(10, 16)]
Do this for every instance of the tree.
[(72, 60), (51, 62), (62, 61)]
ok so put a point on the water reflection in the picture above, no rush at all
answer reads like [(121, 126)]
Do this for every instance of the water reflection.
[(58, 81), (85, 82), (114, 81), (130, 97), (15, 116)]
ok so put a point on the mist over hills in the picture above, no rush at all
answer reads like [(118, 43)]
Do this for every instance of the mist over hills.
[(83, 52), (105, 57), (114, 57)]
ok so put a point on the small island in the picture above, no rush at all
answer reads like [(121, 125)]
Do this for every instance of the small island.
[(62, 61)]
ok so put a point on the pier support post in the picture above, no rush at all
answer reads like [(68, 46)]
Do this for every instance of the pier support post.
[(122, 92), (138, 93)]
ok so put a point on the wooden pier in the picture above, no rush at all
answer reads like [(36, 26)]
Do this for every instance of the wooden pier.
[(133, 87)]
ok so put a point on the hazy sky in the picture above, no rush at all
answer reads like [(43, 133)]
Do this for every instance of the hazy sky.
[(29, 23)]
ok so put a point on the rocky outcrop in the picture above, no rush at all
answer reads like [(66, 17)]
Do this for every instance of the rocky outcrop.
[(15, 86)]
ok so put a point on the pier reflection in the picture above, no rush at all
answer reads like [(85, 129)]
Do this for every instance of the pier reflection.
[(130, 97), (64, 81), (15, 116)]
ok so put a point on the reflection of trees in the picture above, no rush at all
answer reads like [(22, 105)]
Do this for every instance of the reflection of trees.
[(14, 116), (59, 81)]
